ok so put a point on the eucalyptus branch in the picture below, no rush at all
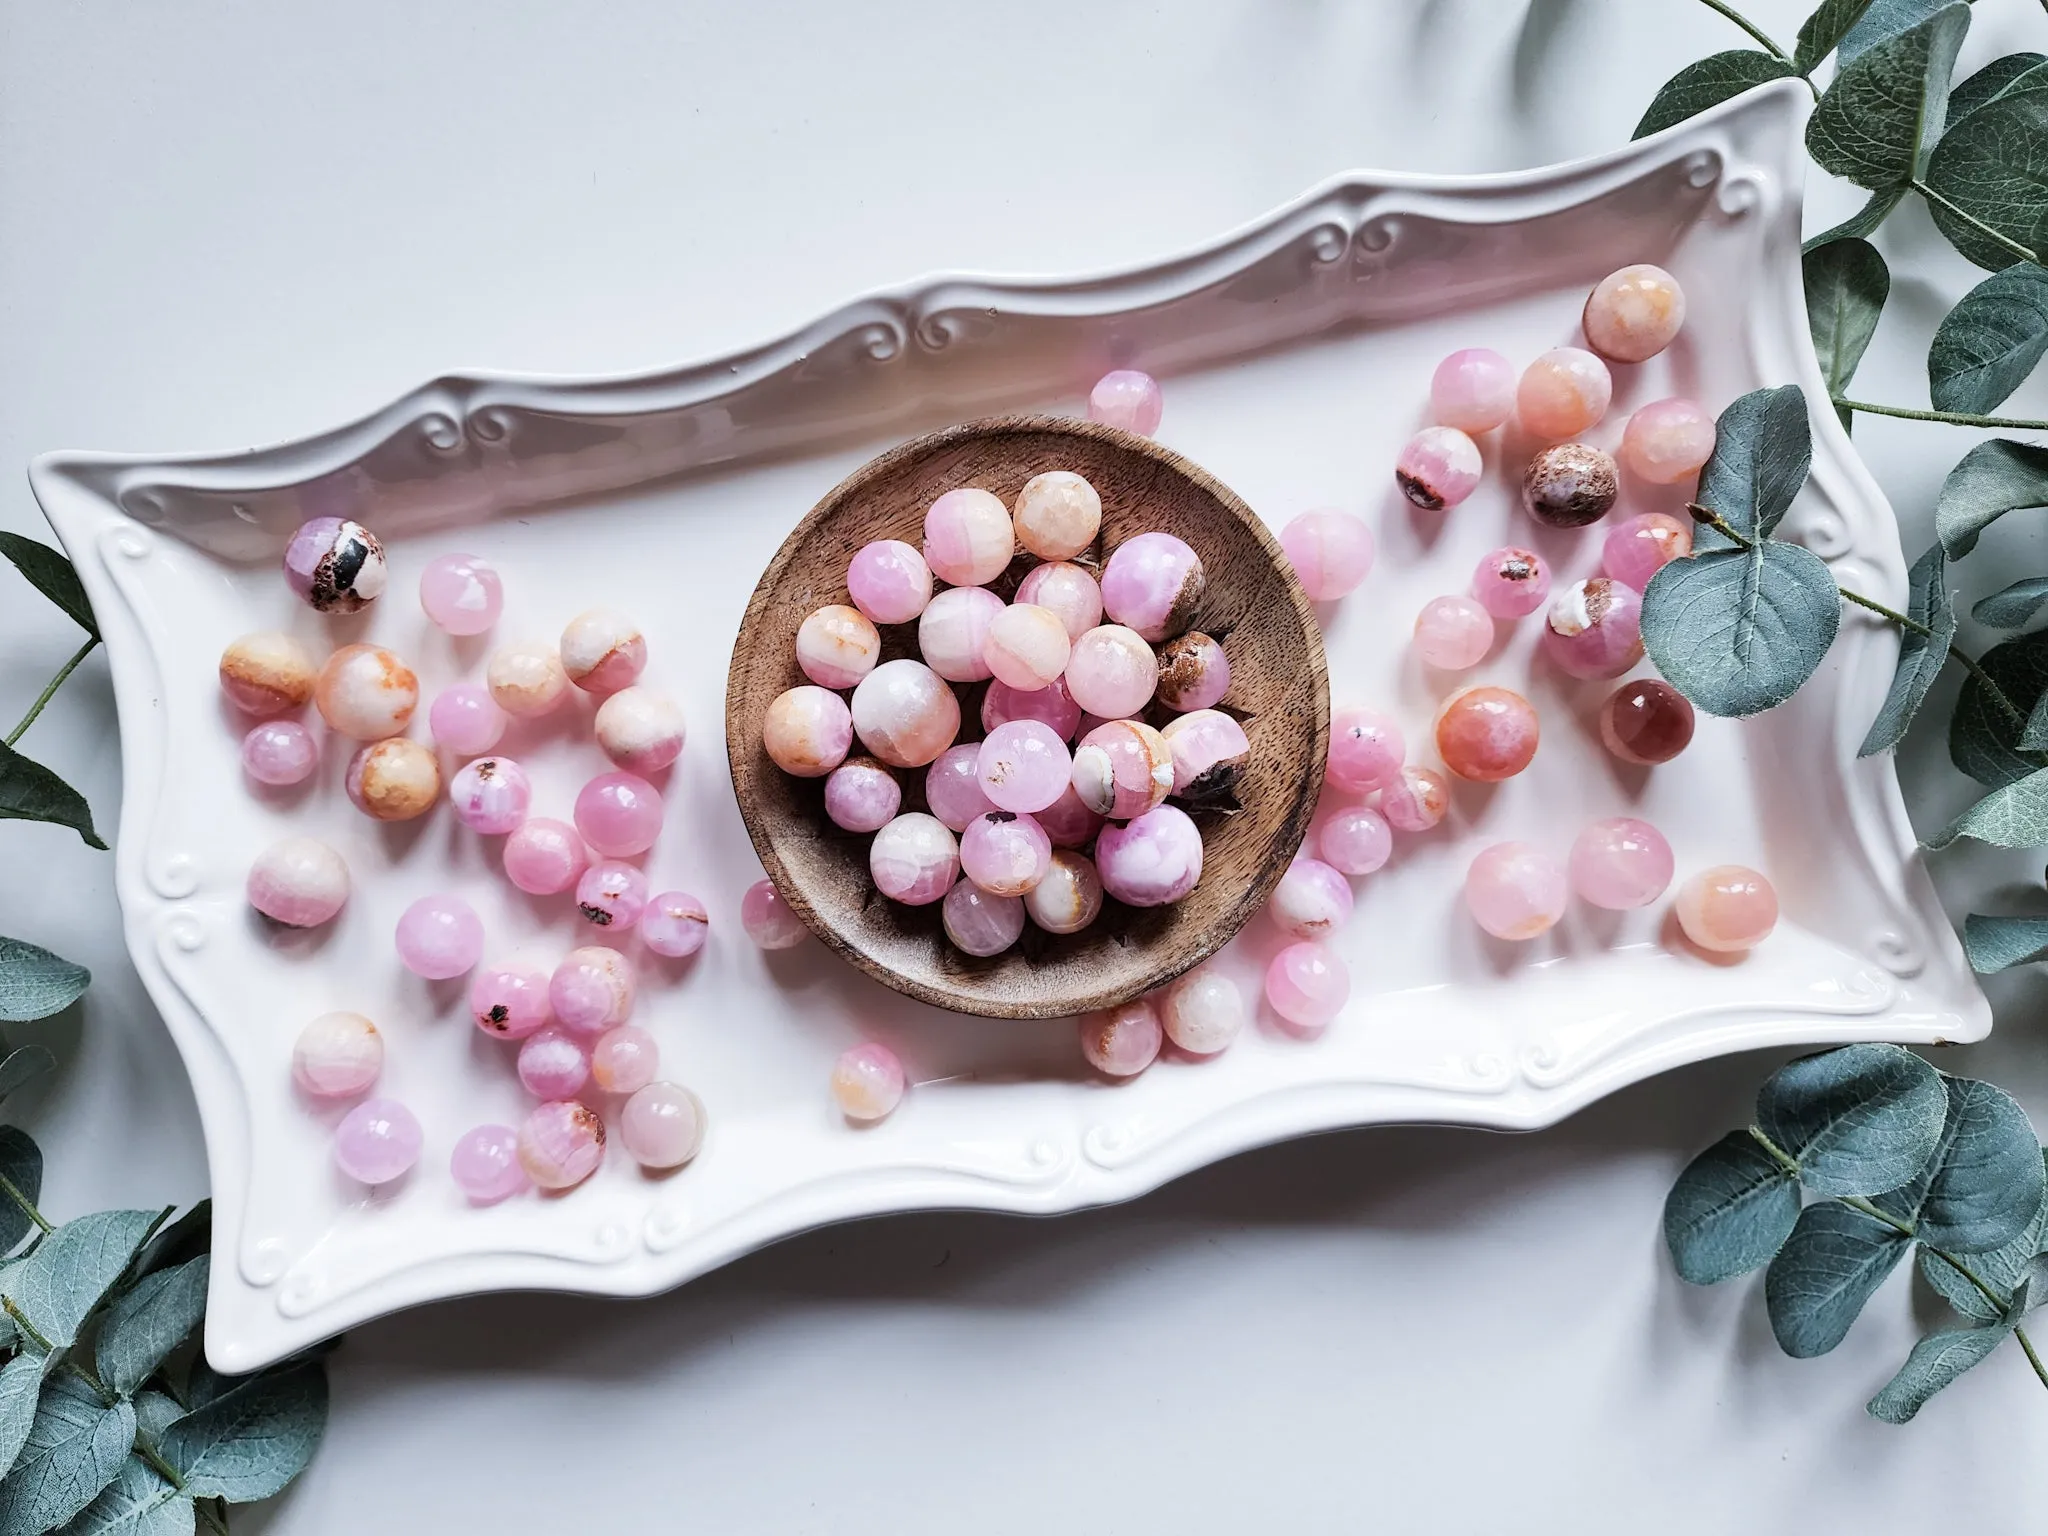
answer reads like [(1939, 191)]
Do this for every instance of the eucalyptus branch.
[(2010, 247), (163, 1469), (1952, 418), (2018, 1332), (13, 1192), (33, 1333), (1750, 27), (49, 693)]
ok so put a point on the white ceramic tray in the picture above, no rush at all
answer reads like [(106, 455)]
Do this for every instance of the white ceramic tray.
[(1295, 354)]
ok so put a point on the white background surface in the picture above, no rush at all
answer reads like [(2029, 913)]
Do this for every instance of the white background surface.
[(224, 224)]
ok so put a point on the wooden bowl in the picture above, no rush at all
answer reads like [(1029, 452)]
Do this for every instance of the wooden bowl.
[(1279, 688)]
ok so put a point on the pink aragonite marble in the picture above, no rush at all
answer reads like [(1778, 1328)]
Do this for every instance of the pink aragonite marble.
[(1417, 800), (462, 594), (1331, 552), (440, 937), (377, 1141), (490, 795), (1005, 854), (1066, 590), (337, 1056), (952, 787), (1563, 392), (1595, 628), (619, 814), (952, 636), (485, 1164), (1024, 766), (544, 856), (1312, 900), (1068, 822), (1453, 633), (979, 922), (769, 920), (1152, 584), (837, 646), (904, 713), (267, 673), (1307, 985), (1366, 750), (624, 1060), (553, 1064), (861, 795), (298, 881), (1202, 1012), (1511, 582), (466, 720), (509, 1002), (1112, 672), (674, 925), (1487, 734), (1027, 646), (612, 895), (915, 859), (640, 730), (1473, 390), (867, 1081), (1150, 861), (806, 732), (1069, 898), (279, 752), (1126, 398), (1637, 548), (1619, 863), (1727, 909), (1194, 673), (366, 692), (1667, 441), (602, 651), (1123, 1041), (1355, 840), (1208, 749), (591, 990), (1122, 769), (968, 537), (1515, 890), (1056, 515), (662, 1126), (1438, 468), (336, 565), (1635, 313), (889, 581), (1051, 704), (561, 1143)]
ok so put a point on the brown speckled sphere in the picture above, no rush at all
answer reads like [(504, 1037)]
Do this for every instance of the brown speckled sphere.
[(1570, 485)]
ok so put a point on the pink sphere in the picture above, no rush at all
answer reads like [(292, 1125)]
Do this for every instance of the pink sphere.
[(1355, 840), (1453, 633), (806, 732), (662, 1126), (1417, 800), (1595, 628), (298, 881), (952, 787), (1438, 468), (1307, 985), (1668, 440), (1123, 769), (1005, 854), (284, 752), (1511, 583), (837, 646), (466, 719), (1067, 590), (1366, 750), (915, 860), (485, 1164), (1123, 1041), (1634, 314), (1152, 584), (624, 1060), (1312, 901), (561, 1143), (905, 714), (553, 1064), (1194, 673), (1209, 748), (1473, 390), (591, 990), (1563, 392), (1637, 548), (1024, 766), (462, 593), (509, 1001), (769, 920), (490, 795), (953, 634), (544, 856), (1069, 898), (337, 1056), (377, 1141), (619, 814), (862, 796), (968, 537), (1068, 822), (889, 581), (1112, 672), (612, 895), (867, 1081), (981, 923), (674, 925), (1126, 398), (1331, 553), (1515, 890), (1052, 704), (1027, 646), (440, 937), (1150, 861), (1727, 909), (1620, 863)]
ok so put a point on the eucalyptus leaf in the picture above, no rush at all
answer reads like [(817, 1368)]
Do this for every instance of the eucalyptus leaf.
[(1994, 478), (21, 1381), (1707, 83), (1826, 27), (1830, 1266), (252, 1439), (1763, 449), (21, 1165), (149, 1321), (1990, 82), (2003, 1269), (1993, 165), (184, 1239), (1982, 1186), (1921, 657), (23, 1068), (75, 1448), (1847, 283), (156, 1412), (1986, 346), (52, 575), (1738, 631), (31, 792), (1885, 19), (1876, 122), (1863, 222), (1859, 1119), (1730, 1211), (1983, 739), (1936, 1361), (2035, 737), (1999, 943), (35, 983), (2010, 607), (58, 1285), (2013, 816), (137, 1503)]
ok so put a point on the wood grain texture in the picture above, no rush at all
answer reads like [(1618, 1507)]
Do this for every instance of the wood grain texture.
[(1279, 688)]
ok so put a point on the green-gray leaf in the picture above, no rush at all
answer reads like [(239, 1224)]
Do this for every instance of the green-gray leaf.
[(1920, 656), (2035, 737), (1999, 943), (1982, 1186), (1847, 283), (1708, 83), (1983, 739), (148, 1322), (21, 1379), (1989, 83), (1887, 18), (137, 1503), (1875, 123), (52, 575), (58, 1285), (1738, 631), (1823, 29), (1829, 1267), (21, 1165), (2003, 1269), (75, 1448), (35, 983), (1936, 1361), (1986, 346), (156, 1412), (1729, 1212), (2013, 816), (2010, 607), (1859, 1119), (1861, 224), (253, 1439), (20, 1069), (1993, 165), (31, 792), (186, 1238), (1763, 449), (1993, 479)]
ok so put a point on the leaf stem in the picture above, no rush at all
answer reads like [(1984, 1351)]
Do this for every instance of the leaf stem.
[(1953, 418), (34, 1333), (1750, 27), (2010, 247), (2018, 1332), (1778, 1154), (157, 1464), (13, 1192), (49, 693)]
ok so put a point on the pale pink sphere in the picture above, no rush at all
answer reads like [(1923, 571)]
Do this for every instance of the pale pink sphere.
[(284, 752), (1727, 909), (1417, 800), (1637, 548), (640, 730), (862, 796), (952, 787), (1453, 633), (490, 795), (1438, 468), (1069, 898), (1057, 515), (485, 1164), (337, 1056), (1066, 590), (968, 538), (366, 692), (602, 651), (1123, 769), (867, 1081), (1112, 672), (1005, 854), (612, 895), (624, 1060), (981, 923), (1355, 840), (466, 720), (1051, 704), (837, 646), (1152, 584), (1312, 901), (1024, 766), (1208, 748), (1473, 390), (509, 1001), (952, 636), (905, 714), (806, 732), (553, 1064), (1026, 646), (462, 593), (1511, 583), (440, 937), (1667, 441), (619, 814), (1068, 822), (1634, 314), (1515, 890), (889, 581), (1331, 552), (561, 1143), (1202, 1012), (1595, 628), (591, 990), (1366, 750), (1150, 861), (377, 1141), (267, 673), (674, 925), (526, 679), (1194, 673), (769, 920), (1123, 1041), (1307, 985), (662, 1126), (544, 856), (298, 881), (1127, 398), (394, 779), (1562, 393), (1620, 863)]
